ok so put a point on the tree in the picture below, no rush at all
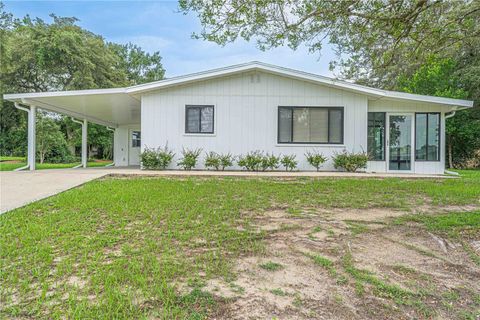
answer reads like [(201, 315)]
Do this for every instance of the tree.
[(140, 66), (373, 38), (50, 140), (40, 56), (440, 77)]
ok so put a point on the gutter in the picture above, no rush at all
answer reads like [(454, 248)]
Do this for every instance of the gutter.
[(19, 107)]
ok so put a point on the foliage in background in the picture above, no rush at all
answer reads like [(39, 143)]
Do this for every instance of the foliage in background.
[(350, 161), (440, 77), (315, 158), (51, 143), (60, 55), (189, 158)]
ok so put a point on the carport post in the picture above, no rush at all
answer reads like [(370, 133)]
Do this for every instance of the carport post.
[(84, 143), (32, 119)]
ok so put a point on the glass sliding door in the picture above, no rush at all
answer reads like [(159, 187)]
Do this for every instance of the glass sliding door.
[(400, 142)]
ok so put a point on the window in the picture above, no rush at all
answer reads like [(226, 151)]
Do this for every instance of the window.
[(376, 136), (427, 136), (310, 125), (199, 119), (136, 139)]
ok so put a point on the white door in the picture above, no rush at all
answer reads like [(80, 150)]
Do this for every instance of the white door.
[(400, 142), (134, 148)]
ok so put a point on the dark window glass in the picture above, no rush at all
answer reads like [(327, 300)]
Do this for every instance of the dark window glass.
[(199, 119), (136, 139), (310, 125), (427, 136), (376, 136)]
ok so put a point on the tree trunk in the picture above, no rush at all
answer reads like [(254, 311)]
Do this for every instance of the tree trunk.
[(450, 160)]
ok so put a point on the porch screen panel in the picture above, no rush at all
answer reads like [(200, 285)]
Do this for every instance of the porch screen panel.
[(427, 136), (376, 136)]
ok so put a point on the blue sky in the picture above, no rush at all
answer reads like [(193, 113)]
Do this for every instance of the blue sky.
[(157, 26)]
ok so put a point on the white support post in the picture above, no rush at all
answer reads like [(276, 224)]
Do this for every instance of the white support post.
[(32, 118), (84, 143)]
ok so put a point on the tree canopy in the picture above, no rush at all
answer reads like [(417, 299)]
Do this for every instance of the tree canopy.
[(60, 55)]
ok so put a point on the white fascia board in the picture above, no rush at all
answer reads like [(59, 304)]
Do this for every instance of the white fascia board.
[(19, 96)]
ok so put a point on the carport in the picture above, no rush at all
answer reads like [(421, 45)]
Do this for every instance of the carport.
[(113, 108)]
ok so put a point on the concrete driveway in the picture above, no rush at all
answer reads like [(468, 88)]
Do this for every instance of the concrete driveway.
[(18, 188)]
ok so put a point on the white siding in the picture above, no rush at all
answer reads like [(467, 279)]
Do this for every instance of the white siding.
[(246, 115), (424, 167)]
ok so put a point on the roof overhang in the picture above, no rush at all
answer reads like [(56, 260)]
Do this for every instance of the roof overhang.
[(121, 106), (110, 107), (299, 75)]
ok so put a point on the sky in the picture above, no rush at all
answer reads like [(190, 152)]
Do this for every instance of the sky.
[(158, 26)]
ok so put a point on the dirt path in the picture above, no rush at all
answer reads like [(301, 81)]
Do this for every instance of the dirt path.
[(349, 264)]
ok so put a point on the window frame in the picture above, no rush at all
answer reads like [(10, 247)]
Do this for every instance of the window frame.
[(132, 139), (384, 134), (200, 107), (426, 136), (329, 108)]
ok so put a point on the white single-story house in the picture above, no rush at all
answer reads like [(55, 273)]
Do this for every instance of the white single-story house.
[(257, 106)]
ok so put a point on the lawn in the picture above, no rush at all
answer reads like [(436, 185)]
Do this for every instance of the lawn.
[(150, 247), (12, 163)]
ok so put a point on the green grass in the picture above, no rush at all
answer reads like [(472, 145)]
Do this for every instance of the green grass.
[(271, 266), (117, 248), (42, 166), (323, 262), (11, 158)]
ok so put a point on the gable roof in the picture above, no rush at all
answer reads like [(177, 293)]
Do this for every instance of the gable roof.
[(296, 74), (131, 93)]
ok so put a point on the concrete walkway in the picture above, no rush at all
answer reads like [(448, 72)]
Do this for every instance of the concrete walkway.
[(20, 188)]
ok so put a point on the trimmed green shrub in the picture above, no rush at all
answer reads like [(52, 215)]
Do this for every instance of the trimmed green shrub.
[(350, 161), (218, 161), (189, 159), (269, 161), (226, 160), (212, 160), (251, 161), (315, 158), (155, 159), (289, 162)]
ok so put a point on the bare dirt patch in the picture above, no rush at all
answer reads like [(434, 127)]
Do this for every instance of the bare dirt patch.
[(432, 282)]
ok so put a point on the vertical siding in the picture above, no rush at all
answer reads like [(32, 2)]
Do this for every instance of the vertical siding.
[(246, 115)]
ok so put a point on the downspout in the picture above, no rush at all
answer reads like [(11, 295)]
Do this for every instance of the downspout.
[(19, 107), (448, 171), (79, 122), (113, 156)]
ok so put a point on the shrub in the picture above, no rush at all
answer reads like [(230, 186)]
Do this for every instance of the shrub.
[(251, 161), (226, 160), (218, 161), (212, 160), (315, 158), (189, 159), (159, 158), (289, 162), (271, 162), (350, 162)]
